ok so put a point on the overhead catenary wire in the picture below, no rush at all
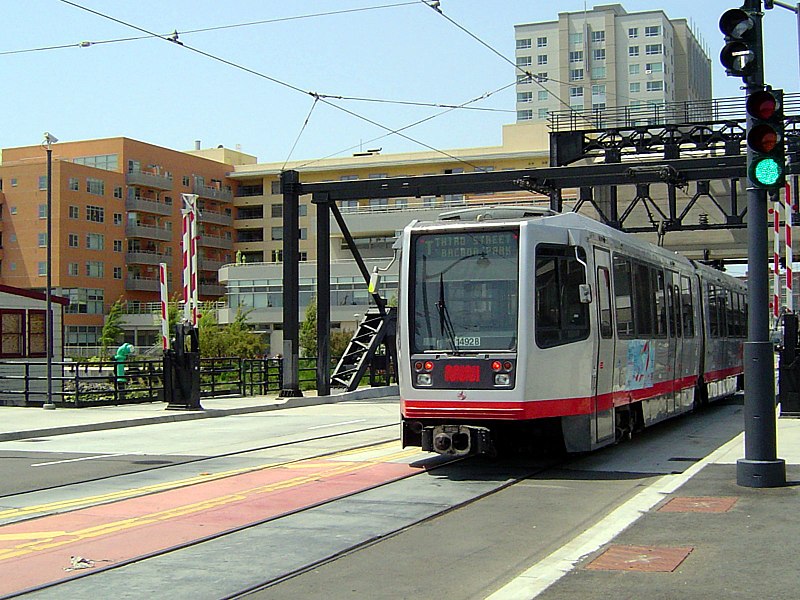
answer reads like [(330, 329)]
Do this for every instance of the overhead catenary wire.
[(435, 6), (173, 39)]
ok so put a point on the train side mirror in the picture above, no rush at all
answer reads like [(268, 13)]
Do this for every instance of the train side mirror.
[(585, 293)]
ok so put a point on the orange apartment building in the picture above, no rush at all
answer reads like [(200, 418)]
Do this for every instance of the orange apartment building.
[(116, 209)]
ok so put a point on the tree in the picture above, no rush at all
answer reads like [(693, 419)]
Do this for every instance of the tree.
[(234, 339), (112, 328), (308, 330)]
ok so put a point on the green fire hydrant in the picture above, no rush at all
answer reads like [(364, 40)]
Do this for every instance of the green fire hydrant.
[(121, 356)]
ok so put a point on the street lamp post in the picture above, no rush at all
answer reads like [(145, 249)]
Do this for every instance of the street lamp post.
[(49, 140)]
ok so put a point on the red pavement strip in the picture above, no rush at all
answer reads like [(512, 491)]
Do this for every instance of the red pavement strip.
[(705, 504), (37, 552)]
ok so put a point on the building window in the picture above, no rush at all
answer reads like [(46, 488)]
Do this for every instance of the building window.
[(118, 192), (95, 241), (633, 50), (523, 78), (524, 97), (652, 49), (12, 332), (576, 38), (524, 115), (598, 72), (42, 182), (74, 184), (523, 61), (117, 218), (656, 67), (95, 186), (277, 256), (575, 92), (275, 188), (542, 95), (633, 69), (352, 205), (95, 214), (598, 105), (42, 211), (523, 44), (633, 32), (576, 56), (277, 233), (599, 54), (72, 269), (541, 59), (185, 180), (42, 239), (277, 211), (94, 268), (42, 268), (84, 300), (304, 232), (599, 89), (598, 36), (302, 209), (635, 86), (541, 77), (303, 257), (655, 86), (74, 213), (73, 240), (117, 245), (13, 210), (542, 114), (652, 31), (541, 42), (13, 182), (107, 162), (575, 74), (117, 272)]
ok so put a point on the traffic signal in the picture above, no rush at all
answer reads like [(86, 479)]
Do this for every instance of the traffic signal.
[(739, 55), (766, 160)]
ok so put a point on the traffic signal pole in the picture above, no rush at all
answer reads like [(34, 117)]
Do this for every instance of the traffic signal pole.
[(760, 466)]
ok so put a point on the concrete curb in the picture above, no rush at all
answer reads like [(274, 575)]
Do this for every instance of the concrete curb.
[(173, 417)]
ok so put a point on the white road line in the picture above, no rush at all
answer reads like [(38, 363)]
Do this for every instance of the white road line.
[(547, 571), (337, 424), (69, 460)]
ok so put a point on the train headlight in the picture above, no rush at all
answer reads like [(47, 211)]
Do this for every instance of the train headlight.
[(423, 379), (502, 379)]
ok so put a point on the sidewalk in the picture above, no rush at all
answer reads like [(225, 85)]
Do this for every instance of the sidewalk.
[(18, 423), (695, 535)]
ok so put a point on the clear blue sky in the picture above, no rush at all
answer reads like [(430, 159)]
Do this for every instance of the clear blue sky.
[(165, 94)]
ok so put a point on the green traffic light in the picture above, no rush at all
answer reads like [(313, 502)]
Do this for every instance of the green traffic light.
[(767, 171)]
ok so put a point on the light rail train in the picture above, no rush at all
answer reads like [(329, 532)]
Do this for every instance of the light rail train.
[(517, 324)]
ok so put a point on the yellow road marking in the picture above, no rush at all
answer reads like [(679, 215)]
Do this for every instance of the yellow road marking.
[(63, 505), (31, 535), (62, 538)]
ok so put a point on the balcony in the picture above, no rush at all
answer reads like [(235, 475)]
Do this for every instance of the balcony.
[(141, 284), (206, 264), (212, 193), (147, 258), (208, 216), (211, 289), (212, 241), (148, 206), (151, 233), (150, 180)]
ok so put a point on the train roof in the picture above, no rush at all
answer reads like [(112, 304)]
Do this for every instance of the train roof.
[(505, 215)]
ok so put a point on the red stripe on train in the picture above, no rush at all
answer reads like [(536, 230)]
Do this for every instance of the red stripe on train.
[(540, 409)]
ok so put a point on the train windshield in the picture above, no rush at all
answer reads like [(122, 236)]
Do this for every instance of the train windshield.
[(464, 288)]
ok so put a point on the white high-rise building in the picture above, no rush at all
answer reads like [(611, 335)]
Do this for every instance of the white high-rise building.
[(607, 57)]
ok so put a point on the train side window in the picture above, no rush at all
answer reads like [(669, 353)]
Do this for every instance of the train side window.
[(687, 307), (604, 302), (560, 316), (659, 302), (713, 310), (643, 309), (623, 296)]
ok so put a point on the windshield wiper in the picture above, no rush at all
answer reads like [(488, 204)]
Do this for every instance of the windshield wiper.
[(444, 317)]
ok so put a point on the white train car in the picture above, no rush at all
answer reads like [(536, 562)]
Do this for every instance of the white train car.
[(514, 325)]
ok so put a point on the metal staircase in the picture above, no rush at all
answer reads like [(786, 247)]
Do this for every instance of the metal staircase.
[(375, 329)]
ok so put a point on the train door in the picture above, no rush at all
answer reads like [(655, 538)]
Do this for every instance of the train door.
[(675, 339), (604, 368)]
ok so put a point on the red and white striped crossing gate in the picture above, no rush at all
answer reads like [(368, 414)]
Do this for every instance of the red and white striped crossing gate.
[(189, 213)]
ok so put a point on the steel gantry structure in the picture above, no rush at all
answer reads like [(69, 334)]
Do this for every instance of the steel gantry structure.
[(615, 149)]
